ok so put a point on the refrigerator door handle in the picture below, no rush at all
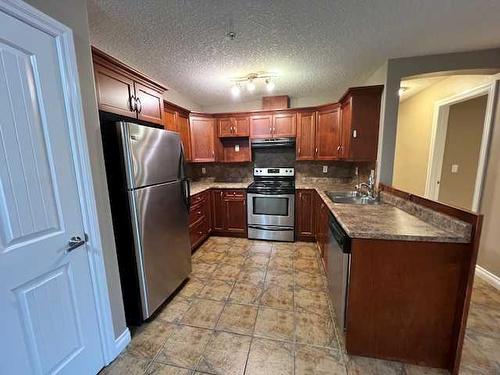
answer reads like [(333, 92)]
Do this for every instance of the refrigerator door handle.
[(187, 193)]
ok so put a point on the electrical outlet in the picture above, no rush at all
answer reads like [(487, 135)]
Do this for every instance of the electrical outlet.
[(203, 170), (454, 168), (325, 168), (236, 148)]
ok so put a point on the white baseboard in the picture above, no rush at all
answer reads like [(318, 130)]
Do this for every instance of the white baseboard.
[(121, 343), (487, 276)]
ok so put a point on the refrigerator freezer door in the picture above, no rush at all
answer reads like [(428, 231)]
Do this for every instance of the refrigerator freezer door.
[(162, 242), (153, 155)]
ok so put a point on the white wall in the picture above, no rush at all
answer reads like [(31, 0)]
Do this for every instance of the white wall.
[(181, 100), (73, 13)]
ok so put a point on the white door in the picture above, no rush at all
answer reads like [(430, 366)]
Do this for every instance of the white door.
[(48, 318)]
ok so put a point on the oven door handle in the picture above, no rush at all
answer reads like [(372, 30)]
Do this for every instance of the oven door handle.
[(271, 195)]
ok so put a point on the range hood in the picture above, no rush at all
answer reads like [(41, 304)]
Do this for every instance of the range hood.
[(273, 143)]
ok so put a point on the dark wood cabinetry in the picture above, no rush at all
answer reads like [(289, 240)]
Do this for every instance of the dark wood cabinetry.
[(328, 134), (202, 134), (360, 123), (304, 215), (176, 119), (124, 91), (238, 126), (306, 135), (229, 213), (199, 219), (273, 125)]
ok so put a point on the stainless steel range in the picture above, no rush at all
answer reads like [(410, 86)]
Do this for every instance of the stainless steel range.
[(271, 204)]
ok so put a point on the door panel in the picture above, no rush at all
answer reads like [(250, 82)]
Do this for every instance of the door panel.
[(154, 154), (163, 229), (202, 139), (149, 104), (170, 120), (48, 316), (284, 125), (306, 129), (346, 128), (225, 127), (183, 127), (261, 126), (328, 135), (218, 217), (242, 126)]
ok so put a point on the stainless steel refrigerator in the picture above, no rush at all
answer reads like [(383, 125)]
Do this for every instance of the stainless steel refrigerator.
[(150, 200)]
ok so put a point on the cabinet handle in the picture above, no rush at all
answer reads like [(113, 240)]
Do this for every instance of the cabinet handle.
[(338, 148), (299, 150), (139, 109), (316, 151), (132, 104)]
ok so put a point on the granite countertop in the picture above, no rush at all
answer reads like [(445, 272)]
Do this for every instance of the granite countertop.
[(383, 221), (202, 185)]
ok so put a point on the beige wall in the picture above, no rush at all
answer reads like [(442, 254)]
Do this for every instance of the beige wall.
[(414, 128), (462, 148), (489, 251), (73, 13)]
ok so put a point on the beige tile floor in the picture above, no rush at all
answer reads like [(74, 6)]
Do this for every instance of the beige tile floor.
[(255, 307)]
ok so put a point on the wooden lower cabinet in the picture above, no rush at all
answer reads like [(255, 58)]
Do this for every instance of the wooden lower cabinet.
[(229, 212), (304, 215), (200, 220)]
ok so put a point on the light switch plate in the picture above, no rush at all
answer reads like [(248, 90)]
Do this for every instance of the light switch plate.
[(203, 170), (325, 168), (454, 168), (236, 148)]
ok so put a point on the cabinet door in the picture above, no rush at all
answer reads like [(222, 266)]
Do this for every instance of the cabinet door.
[(261, 126), (284, 125), (235, 212), (241, 126), (218, 212), (201, 132), (225, 127), (170, 120), (149, 104), (328, 135), (305, 213), (114, 91), (346, 119), (306, 131), (183, 128)]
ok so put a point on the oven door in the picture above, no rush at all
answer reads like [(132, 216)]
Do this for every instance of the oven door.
[(271, 209)]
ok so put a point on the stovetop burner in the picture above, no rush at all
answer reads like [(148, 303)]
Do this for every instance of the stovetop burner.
[(273, 181)]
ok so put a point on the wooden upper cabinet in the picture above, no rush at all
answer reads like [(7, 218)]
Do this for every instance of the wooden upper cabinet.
[(183, 128), (170, 120), (284, 125), (261, 126), (225, 127), (328, 134), (241, 126), (233, 126), (125, 91), (114, 91), (306, 135), (202, 134), (360, 123), (149, 104)]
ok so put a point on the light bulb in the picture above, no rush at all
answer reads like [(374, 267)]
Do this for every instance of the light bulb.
[(235, 90), (269, 85), (250, 86)]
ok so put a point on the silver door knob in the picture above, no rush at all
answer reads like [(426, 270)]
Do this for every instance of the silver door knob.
[(74, 242)]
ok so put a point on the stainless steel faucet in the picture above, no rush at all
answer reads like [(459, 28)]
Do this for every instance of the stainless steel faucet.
[(369, 186)]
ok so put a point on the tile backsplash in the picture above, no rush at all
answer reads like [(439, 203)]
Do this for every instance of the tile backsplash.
[(236, 172)]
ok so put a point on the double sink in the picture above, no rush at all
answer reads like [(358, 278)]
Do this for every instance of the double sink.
[(351, 197)]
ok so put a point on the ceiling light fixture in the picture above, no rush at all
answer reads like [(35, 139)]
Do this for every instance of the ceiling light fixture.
[(250, 85), (402, 90), (250, 81), (270, 84), (235, 90)]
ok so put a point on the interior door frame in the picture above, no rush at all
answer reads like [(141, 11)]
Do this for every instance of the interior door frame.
[(81, 161), (438, 139)]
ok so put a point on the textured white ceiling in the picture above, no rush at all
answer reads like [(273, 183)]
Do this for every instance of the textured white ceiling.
[(317, 46)]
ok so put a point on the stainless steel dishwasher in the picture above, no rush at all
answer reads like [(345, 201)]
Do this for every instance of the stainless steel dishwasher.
[(338, 268)]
